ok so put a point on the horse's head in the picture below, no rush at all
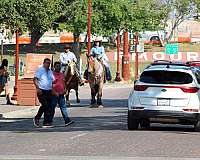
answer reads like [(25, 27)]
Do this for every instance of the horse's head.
[(70, 68), (91, 64), (95, 67)]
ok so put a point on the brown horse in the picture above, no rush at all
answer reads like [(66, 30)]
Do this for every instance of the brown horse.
[(71, 81), (96, 79)]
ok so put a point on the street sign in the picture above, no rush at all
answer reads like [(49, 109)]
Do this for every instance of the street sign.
[(171, 48)]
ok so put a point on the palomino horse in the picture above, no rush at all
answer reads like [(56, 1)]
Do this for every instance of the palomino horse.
[(96, 79), (71, 81)]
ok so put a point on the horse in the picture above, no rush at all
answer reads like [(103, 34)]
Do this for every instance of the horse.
[(71, 81), (96, 79)]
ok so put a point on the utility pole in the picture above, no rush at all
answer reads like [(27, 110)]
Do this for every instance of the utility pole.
[(118, 58), (14, 97), (125, 59), (136, 56), (89, 27)]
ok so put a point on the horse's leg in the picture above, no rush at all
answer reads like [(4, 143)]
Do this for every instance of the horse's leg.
[(93, 100), (77, 94), (99, 95), (67, 97)]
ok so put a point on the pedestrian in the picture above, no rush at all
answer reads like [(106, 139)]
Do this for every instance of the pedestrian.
[(43, 81), (66, 57), (58, 97), (98, 52), (4, 80)]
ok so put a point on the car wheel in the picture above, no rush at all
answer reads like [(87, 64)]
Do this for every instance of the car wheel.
[(133, 123), (197, 126), (145, 123)]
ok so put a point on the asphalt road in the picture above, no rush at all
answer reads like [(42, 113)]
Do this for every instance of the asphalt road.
[(98, 133)]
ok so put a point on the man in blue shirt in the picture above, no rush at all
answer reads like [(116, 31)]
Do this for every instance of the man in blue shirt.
[(98, 51), (43, 81)]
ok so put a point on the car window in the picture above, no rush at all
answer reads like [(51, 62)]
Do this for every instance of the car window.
[(166, 77)]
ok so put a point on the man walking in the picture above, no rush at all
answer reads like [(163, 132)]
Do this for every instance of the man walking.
[(58, 97), (43, 80)]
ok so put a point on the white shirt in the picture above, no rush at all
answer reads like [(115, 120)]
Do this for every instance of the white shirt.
[(45, 78), (65, 57)]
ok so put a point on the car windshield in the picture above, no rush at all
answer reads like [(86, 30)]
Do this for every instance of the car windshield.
[(166, 77)]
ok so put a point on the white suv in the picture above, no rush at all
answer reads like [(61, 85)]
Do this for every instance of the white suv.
[(166, 92)]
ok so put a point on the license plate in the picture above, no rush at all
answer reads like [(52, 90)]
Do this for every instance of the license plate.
[(163, 102)]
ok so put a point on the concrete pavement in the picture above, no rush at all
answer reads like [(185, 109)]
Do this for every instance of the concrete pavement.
[(15, 111)]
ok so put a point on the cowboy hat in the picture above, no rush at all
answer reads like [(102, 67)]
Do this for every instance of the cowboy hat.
[(97, 39)]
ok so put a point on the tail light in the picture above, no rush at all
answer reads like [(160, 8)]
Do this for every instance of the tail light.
[(140, 87), (189, 89), (190, 110)]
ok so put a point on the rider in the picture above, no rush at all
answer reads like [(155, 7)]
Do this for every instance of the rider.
[(66, 57), (98, 51)]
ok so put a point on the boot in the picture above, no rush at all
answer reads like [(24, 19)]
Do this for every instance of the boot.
[(108, 74), (8, 100)]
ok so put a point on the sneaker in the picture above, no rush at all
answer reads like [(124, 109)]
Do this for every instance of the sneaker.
[(81, 83), (68, 122), (36, 122), (47, 125)]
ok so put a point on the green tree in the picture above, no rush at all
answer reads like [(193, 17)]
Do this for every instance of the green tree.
[(111, 16), (36, 16), (178, 12)]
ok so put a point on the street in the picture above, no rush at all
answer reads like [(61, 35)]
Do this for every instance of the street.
[(98, 133)]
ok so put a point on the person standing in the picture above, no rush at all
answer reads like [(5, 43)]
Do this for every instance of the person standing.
[(4, 80), (66, 57), (98, 51), (43, 81), (58, 97)]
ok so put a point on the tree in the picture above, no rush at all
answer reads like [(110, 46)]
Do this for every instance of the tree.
[(178, 12), (109, 17), (36, 16)]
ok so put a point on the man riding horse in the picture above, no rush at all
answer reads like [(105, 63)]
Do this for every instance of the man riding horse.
[(66, 57), (98, 52), (97, 71)]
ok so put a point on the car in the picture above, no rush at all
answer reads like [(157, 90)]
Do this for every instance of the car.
[(166, 92)]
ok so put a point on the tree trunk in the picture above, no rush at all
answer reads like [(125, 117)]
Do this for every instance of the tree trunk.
[(77, 49), (35, 36)]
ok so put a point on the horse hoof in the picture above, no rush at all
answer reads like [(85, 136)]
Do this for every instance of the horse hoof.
[(100, 106), (78, 101)]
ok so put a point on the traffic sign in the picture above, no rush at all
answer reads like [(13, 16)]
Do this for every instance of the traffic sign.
[(171, 48)]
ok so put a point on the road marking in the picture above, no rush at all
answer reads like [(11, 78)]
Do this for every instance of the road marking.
[(42, 150), (79, 135)]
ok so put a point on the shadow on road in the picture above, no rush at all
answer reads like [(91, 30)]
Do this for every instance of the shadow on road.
[(106, 103), (81, 124)]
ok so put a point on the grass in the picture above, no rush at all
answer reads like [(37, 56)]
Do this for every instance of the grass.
[(56, 49)]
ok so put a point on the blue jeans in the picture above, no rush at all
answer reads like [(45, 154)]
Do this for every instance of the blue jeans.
[(60, 100)]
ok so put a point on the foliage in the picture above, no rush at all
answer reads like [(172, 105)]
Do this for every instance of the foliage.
[(109, 17), (179, 10), (35, 16)]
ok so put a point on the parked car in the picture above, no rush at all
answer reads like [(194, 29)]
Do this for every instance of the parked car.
[(166, 92)]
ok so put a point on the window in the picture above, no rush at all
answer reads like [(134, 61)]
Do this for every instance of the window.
[(166, 77)]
